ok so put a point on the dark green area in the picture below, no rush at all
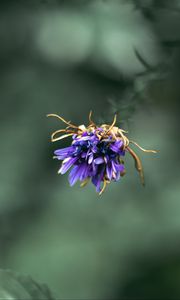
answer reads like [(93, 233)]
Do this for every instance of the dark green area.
[(110, 57)]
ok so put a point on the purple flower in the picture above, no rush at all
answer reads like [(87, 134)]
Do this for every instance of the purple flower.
[(92, 157), (95, 152)]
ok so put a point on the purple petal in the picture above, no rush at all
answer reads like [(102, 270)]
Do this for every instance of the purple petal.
[(87, 154), (90, 159), (97, 182), (79, 172), (106, 159), (115, 147), (94, 169), (99, 160), (85, 133), (83, 138), (120, 167), (113, 166), (94, 149), (73, 176), (121, 152), (117, 167), (99, 129), (117, 176), (64, 152), (67, 163), (109, 171), (84, 171), (83, 155), (98, 178)]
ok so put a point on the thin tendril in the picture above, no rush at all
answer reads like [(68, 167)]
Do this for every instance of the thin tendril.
[(84, 182), (90, 120), (113, 123), (61, 137), (138, 164), (124, 138), (144, 150), (59, 131), (103, 188), (63, 120)]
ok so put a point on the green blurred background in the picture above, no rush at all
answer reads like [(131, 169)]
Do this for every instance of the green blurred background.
[(69, 57)]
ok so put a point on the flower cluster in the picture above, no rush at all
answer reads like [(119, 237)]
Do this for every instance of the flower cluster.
[(95, 153)]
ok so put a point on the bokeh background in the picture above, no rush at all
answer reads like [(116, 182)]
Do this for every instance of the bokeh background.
[(69, 57)]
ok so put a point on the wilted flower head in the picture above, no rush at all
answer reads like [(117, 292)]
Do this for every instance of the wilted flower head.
[(95, 153)]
